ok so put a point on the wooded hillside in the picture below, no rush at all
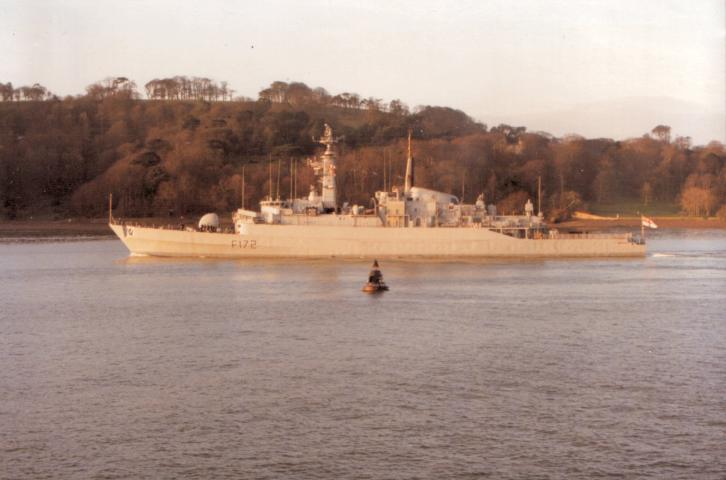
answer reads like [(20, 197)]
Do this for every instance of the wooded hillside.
[(184, 148)]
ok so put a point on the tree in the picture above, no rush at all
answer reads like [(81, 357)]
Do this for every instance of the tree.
[(605, 181), (6, 91), (662, 133), (698, 201), (397, 107), (444, 122), (298, 94), (35, 92), (112, 87), (646, 193), (276, 92), (223, 90), (514, 203), (511, 133), (371, 104), (684, 143), (321, 95), (563, 205)]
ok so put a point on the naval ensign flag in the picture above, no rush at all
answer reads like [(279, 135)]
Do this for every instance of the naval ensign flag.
[(647, 222)]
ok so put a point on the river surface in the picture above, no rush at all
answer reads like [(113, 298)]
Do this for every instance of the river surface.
[(118, 367)]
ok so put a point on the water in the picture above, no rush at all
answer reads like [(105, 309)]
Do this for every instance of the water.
[(116, 367)]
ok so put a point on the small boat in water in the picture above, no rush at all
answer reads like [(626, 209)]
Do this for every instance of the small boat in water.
[(375, 280)]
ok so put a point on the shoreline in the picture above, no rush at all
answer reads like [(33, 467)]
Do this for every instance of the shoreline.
[(693, 223), (51, 229), (98, 227)]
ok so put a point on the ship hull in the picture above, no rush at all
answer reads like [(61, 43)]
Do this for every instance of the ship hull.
[(291, 241)]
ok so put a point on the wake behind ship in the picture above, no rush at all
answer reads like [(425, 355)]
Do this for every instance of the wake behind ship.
[(407, 222)]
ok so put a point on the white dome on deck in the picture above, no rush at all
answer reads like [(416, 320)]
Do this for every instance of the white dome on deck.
[(209, 220)]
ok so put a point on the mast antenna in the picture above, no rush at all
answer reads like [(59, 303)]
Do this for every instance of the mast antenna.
[(385, 170), (110, 208), (539, 195), (409, 166), (270, 177)]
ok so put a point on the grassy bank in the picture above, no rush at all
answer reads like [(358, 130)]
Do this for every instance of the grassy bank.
[(634, 208), (627, 213), (634, 223)]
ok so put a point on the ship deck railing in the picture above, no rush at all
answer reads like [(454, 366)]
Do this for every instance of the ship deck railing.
[(590, 236), (178, 227), (534, 233)]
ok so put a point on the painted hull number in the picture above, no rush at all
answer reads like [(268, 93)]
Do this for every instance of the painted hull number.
[(244, 244)]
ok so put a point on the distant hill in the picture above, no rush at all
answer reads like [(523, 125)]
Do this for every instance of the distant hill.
[(624, 118)]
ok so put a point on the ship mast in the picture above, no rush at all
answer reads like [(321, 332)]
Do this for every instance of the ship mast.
[(325, 168), (409, 166), (539, 196)]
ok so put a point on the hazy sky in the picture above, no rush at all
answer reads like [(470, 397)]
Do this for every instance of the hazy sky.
[(487, 58)]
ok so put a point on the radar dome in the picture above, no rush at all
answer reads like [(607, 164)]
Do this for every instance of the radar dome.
[(209, 220)]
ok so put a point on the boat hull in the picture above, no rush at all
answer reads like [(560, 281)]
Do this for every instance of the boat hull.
[(290, 241), (371, 288)]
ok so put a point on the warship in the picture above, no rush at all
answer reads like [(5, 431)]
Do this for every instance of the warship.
[(405, 222)]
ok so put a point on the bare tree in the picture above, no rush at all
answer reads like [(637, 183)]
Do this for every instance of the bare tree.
[(662, 133)]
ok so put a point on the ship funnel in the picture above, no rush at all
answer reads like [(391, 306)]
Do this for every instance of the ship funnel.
[(409, 166)]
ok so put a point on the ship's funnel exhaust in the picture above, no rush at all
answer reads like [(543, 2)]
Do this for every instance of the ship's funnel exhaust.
[(409, 166)]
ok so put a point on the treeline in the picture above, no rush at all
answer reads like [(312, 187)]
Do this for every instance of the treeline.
[(188, 150), (186, 88), (35, 92), (298, 94)]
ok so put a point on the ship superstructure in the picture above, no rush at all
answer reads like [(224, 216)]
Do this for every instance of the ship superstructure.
[(410, 207), (405, 222)]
